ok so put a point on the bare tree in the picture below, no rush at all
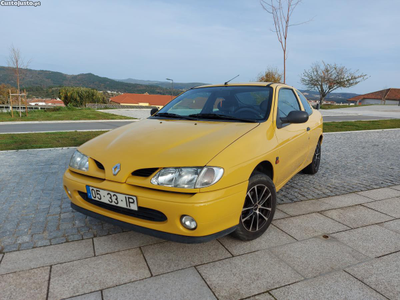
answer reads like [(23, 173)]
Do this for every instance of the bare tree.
[(270, 75), (16, 62), (326, 78), (281, 11)]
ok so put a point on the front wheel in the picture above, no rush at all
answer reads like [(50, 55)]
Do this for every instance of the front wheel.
[(314, 166), (258, 209)]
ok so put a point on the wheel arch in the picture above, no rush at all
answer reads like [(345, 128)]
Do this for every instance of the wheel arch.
[(264, 167)]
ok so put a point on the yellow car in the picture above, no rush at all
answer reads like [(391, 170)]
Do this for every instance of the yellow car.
[(207, 164)]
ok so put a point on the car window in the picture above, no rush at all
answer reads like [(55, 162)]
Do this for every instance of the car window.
[(306, 104), (193, 103), (228, 103), (287, 102)]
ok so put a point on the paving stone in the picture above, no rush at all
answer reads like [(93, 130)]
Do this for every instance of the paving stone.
[(392, 225), (24, 285), (271, 238), (170, 256), (10, 248), (333, 286), (184, 284), (317, 256), (26, 246), (96, 273), (59, 240), (264, 296), (372, 240), (380, 194), (122, 241), (390, 207), (304, 207), (90, 296), (280, 214), (247, 275), (306, 226), (356, 216), (346, 200), (46, 256), (382, 274), (42, 243)]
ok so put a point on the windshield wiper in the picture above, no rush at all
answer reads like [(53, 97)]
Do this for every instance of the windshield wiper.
[(175, 116), (221, 117)]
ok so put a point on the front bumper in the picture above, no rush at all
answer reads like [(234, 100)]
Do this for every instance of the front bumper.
[(217, 213)]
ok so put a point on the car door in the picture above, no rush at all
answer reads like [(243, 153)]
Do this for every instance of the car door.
[(292, 138)]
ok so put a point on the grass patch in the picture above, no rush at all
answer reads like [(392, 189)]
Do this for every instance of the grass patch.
[(60, 114), (45, 139), (361, 125)]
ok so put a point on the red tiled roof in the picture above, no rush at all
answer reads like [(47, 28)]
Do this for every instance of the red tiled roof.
[(127, 98), (388, 94)]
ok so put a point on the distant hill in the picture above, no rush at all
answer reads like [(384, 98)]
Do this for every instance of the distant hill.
[(46, 79), (337, 97), (165, 84)]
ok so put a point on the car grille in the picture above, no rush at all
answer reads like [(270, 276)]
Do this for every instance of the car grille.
[(144, 172), (142, 212)]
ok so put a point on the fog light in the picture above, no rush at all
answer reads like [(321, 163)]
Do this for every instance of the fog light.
[(188, 222), (67, 191)]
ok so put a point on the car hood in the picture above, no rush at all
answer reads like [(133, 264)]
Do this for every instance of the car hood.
[(155, 143)]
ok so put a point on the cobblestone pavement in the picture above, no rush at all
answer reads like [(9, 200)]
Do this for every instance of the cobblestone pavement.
[(35, 212)]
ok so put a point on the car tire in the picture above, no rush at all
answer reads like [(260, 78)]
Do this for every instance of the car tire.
[(314, 166), (258, 208)]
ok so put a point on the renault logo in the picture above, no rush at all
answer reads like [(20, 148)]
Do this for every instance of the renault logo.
[(116, 169)]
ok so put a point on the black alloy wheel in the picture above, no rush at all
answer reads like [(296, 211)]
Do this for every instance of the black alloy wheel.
[(258, 209)]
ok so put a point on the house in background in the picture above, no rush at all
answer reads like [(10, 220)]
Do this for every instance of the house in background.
[(384, 97), (44, 102), (141, 99)]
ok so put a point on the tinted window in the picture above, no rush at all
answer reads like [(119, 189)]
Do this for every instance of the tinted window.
[(287, 102), (306, 105)]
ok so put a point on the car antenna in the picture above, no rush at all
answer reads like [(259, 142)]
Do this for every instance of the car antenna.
[(231, 79)]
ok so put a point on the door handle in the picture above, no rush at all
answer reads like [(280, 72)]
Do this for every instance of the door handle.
[(308, 128)]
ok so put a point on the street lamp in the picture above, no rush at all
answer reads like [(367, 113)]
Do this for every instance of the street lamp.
[(172, 82)]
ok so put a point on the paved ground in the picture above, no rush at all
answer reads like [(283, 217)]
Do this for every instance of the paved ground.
[(336, 247), (343, 247), (26, 127), (35, 212)]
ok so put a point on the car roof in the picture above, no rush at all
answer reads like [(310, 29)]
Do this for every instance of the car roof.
[(273, 84)]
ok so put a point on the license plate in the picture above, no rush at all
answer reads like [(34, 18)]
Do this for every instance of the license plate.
[(112, 198)]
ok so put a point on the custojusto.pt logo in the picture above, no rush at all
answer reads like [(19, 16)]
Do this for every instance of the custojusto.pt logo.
[(20, 3)]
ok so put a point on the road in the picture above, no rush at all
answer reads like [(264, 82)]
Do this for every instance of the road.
[(365, 113)]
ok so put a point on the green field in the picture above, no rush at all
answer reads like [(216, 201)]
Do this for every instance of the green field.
[(60, 114), (361, 125), (45, 140)]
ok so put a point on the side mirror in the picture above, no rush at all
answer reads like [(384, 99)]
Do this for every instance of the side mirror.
[(153, 111), (295, 116)]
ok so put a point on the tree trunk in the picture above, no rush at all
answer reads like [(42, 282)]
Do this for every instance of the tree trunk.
[(284, 66), (321, 99)]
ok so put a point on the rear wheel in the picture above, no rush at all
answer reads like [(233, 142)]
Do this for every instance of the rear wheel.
[(314, 166), (258, 209)]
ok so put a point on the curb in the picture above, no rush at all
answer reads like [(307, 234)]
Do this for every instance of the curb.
[(81, 130), (356, 131)]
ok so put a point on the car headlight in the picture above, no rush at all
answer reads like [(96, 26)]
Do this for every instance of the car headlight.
[(188, 178), (79, 161)]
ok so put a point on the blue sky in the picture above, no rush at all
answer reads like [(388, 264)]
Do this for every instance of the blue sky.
[(204, 41)]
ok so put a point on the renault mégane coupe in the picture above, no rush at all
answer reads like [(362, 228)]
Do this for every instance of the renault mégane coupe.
[(208, 164)]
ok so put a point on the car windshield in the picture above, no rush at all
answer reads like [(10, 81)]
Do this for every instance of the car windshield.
[(227, 103)]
